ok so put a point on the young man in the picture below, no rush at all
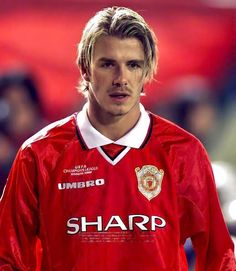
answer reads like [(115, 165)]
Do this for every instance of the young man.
[(113, 187)]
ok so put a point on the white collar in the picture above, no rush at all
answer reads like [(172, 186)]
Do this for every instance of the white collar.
[(93, 138)]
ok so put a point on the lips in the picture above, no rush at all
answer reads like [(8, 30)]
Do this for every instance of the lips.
[(119, 95)]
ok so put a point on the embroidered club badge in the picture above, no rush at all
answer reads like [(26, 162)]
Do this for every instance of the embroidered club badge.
[(149, 180)]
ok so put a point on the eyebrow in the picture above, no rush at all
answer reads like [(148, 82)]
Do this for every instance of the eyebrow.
[(105, 59), (138, 61)]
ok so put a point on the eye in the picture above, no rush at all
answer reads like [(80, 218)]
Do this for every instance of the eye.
[(107, 64), (134, 65)]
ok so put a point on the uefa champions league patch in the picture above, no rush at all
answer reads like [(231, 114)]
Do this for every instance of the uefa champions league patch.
[(149, 180)]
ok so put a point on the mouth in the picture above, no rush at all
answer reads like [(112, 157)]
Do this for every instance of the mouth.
[(119, 95)]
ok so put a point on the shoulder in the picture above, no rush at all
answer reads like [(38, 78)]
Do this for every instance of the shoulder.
[(174, 138), (43, 149), (61, 130), (186, 155), (164, 127)]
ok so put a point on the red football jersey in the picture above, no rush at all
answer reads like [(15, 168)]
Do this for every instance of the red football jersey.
[(96, 206)]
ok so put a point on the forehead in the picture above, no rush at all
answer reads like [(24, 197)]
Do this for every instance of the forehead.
[(118, 49)]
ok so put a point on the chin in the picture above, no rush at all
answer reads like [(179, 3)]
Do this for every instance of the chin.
[(117, 111)]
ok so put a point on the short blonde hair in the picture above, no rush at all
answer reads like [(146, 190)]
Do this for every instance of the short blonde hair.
[(120, 22)]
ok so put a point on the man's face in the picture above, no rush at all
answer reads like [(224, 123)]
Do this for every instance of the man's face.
[(117, 75)]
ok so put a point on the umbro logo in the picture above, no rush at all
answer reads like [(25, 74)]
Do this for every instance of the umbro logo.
[(79, 185)]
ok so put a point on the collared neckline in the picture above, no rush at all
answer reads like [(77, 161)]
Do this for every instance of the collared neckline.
[(93, 138)]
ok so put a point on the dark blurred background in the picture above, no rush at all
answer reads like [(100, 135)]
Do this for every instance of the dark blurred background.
[(195, 85)]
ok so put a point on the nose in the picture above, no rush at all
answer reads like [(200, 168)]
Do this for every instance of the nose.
[(120, 78)]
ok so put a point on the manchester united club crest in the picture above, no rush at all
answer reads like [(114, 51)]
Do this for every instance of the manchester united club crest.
[(149, 180)]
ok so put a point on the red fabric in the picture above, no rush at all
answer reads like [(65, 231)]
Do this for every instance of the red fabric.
[(57, 188), (228, 262), (112, 149), (39, 254)]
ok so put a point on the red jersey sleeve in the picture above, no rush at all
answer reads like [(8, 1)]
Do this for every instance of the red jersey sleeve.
[(19, 215), (200, 214)]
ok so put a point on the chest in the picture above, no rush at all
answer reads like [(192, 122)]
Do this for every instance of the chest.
[(82, 180)]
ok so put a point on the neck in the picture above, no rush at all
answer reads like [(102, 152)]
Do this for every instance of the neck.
[(113, 126)]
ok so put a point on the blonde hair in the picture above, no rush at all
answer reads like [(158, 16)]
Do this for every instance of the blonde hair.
[(120, 22)]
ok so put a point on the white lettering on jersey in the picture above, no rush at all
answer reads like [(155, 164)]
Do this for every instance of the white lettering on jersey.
[(72, 224), (157, 222), (97, 223), (145, 220), (76, 185), (142, 222), (119, 223)]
